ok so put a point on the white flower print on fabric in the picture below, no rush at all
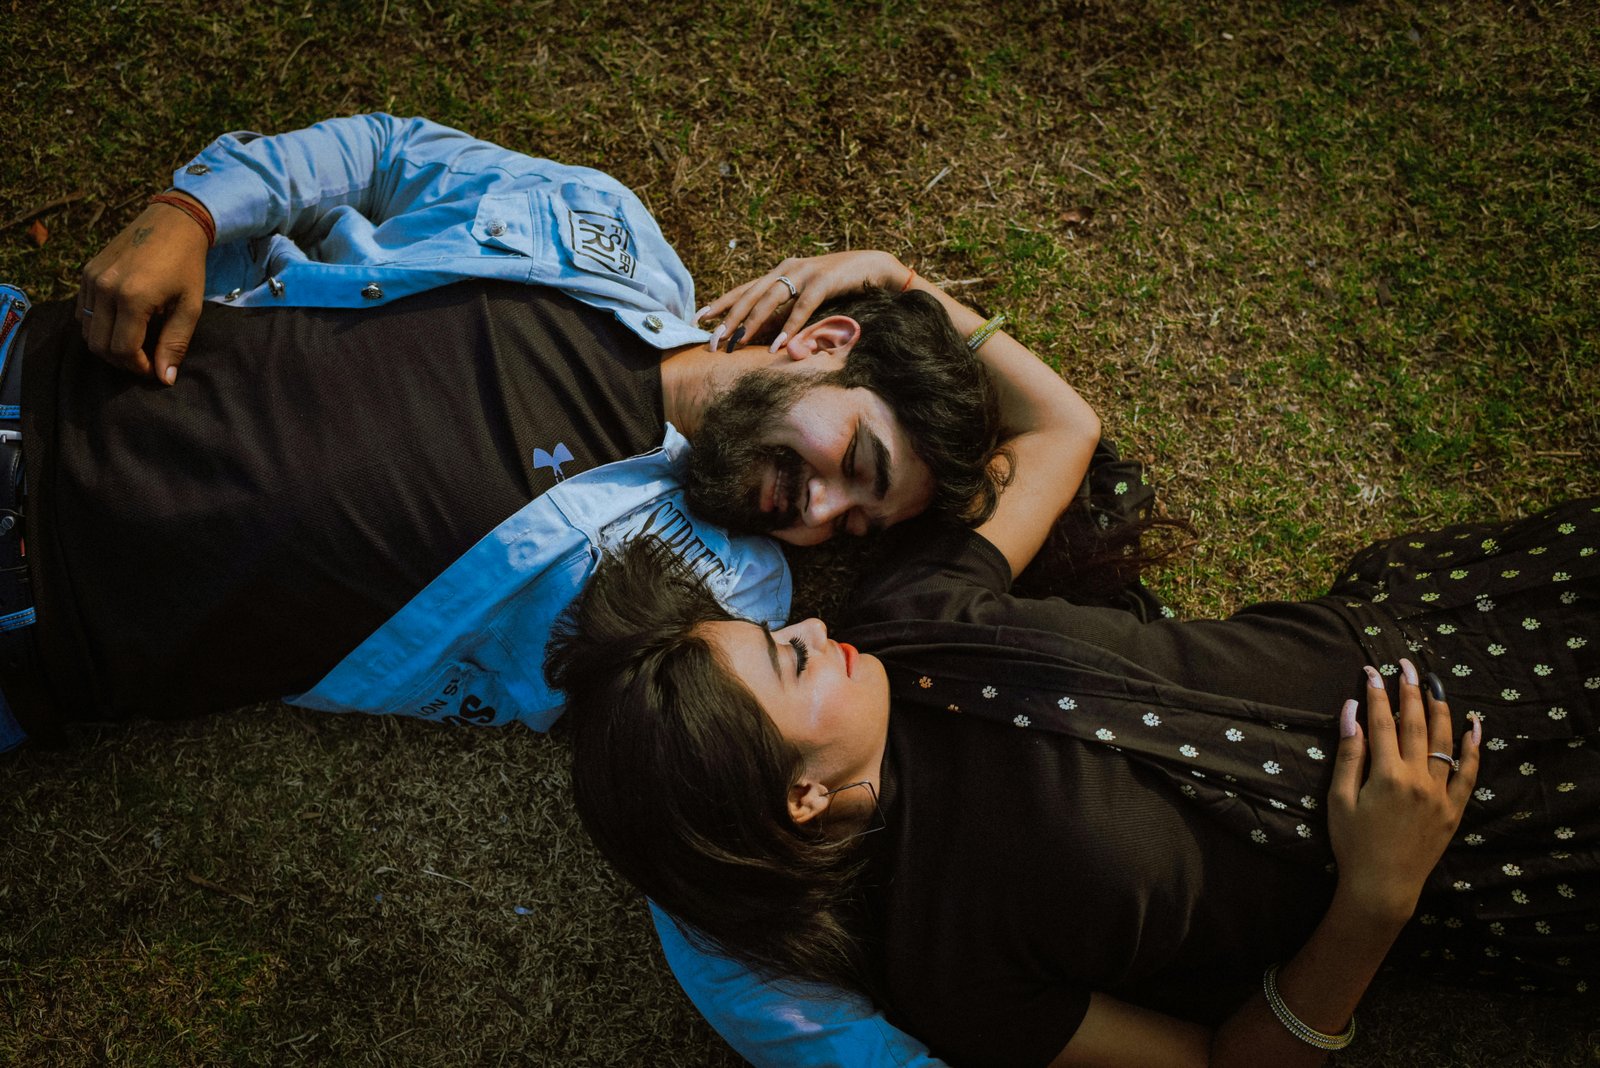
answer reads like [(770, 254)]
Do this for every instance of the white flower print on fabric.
[(1021, 721), (1416, 544), (1489, 545), (1302, 830), (1560, 576), (1568, 597), (1483, 793), (989, 691), (1564, 833), (1510, 572), (1519, 897), (1539, 551), (1197, 773), (1566, 891), (1527, 769), (1586, 551), (1314, 753), (1496, 744), (1458, 574), (1120, 488), (1275, 803), (1105, 735), (1577, 643), (1446, 628), (1381, 595), (1066, 704), (1509, 694), (1541, 926), (1497, 649), (1419, 576), (1485, 605), (1592, 684), (1452, 923), (1308, 803), (1187, 790), (1387, 669), (1497, 928), (1566, 787), (1280, 726), (1188, 750), (1474, 839), (1490, 951), (1557, 713), (1414, 646), (1373, 631), (1541, 670), (1461, 671), (1233, 734), (1152, 720), (952, 708), (1461, 885), (1258, 836), (1511, 869), (1530, 623), (1272, 767), (1229, 793), (925, 682), (1430, 597), (1566, 528)]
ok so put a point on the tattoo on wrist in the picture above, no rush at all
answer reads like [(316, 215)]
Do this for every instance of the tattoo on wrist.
[(141, 234)]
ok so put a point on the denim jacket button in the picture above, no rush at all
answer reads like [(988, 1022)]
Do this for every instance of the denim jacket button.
[(497, 228), (372, 291), (276, 287), (232, 295), (197, 168), (652, 323)]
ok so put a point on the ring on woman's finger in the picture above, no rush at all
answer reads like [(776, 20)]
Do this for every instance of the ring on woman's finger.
[(1455, 765), (85, 312), (794, 291)]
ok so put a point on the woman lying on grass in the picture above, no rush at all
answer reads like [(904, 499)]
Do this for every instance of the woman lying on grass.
[(1043, 833)]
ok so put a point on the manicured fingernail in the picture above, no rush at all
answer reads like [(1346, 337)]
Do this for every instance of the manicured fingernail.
[(1408, 670), (1347, 720), (1374, 680), (1435, 686), (1477, 727), (716, 337), (777, 342), (170, 374), (733, 341), (702, 313)]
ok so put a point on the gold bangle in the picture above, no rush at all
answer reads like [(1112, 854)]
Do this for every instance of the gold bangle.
[(1297, 1027), (985, 332)]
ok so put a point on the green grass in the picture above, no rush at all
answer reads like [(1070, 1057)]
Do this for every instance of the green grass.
[(1339, 280)]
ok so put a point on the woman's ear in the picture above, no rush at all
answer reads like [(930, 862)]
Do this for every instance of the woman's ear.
[(808, 799), (834, 336)]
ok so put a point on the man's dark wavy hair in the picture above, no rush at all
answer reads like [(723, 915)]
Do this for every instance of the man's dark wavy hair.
[(911, 356)]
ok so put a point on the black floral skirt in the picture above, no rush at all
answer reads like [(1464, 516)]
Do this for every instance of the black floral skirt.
[(1508, 616)]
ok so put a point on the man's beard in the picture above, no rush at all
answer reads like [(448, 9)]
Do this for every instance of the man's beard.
[(729, 461)]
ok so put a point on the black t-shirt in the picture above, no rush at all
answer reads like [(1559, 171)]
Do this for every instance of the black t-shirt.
[(229, 539), (1023, 869)]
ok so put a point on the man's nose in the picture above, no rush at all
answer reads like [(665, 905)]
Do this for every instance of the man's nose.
[(825, 503)]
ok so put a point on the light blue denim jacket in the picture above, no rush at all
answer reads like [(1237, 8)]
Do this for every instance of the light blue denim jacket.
[(364, 210)]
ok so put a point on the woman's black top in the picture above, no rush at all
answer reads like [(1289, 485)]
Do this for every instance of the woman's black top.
[(1077, 801)]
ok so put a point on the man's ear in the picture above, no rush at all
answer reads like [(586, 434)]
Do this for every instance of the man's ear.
[(808, 799), (832, 337)]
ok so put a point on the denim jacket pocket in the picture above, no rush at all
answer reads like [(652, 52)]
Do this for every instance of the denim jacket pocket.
[(599, 232), (505, 221)]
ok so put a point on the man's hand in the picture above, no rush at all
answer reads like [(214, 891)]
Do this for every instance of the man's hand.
[(154, 268), (751, 311)]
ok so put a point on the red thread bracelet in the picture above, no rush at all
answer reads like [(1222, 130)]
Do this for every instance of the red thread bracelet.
[(200, 215), (911, 274)]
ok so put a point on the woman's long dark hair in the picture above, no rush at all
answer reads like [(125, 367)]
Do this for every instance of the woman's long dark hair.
[(683, 782)]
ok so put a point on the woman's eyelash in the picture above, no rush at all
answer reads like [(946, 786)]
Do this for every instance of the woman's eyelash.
[(800, 655)]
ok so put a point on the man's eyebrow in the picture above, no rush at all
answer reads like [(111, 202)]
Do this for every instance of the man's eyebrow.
[(880, 458)]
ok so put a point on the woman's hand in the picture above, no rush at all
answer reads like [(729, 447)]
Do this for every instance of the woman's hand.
[(155, 267), (754, 310), (1389, 831)]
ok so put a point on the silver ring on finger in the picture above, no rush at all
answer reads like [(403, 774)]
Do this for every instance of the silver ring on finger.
[(794, 290), (85, 312), (1455, 765)]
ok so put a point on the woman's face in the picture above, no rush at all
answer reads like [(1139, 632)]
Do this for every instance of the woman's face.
[(826, 699)]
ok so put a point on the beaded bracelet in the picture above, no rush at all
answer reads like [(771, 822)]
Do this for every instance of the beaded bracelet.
[(1294, 1025), (976, 339), (201, 217)]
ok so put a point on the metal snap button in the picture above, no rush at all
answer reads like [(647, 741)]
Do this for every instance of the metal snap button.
[(372, 291), (232, 295), (197, 168), (497, 228), (276, 287), (652, 323)]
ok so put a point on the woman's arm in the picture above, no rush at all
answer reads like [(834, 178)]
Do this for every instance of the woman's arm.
[(1387, 832), (1049, 430)]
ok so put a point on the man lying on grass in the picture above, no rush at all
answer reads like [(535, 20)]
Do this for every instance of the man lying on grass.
[(347, 415)]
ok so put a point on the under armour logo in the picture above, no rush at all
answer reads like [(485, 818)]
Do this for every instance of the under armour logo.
[(552, 460)]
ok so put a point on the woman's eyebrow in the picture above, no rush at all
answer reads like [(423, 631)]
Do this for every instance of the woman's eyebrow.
[(772, 650)]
